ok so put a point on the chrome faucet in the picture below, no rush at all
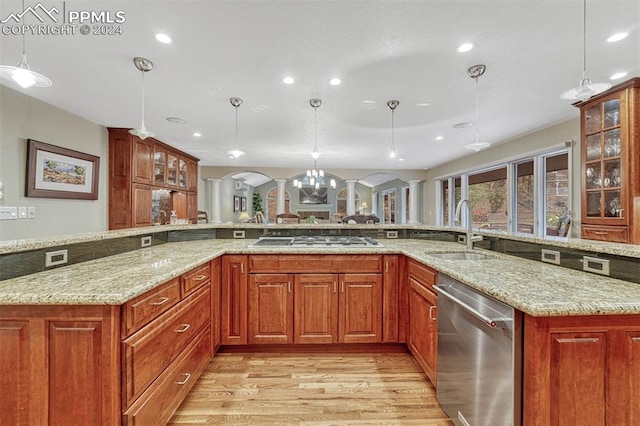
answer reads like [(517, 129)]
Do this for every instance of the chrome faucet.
[(470, 237)]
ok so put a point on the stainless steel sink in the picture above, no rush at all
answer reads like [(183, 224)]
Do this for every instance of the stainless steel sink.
[(465, 255)]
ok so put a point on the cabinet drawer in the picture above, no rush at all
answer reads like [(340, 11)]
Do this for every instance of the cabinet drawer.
[(422, 273), (139, 311), (150, 350), (617, 234), (160, 401), (194, 279), (315, 264)]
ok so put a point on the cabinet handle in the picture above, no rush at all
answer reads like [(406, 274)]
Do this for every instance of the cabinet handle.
[(600, 232), (431, 309), (160, 301), (579, 340), (199, 277), (335, 287), (635, 339), (187, 377), (242, 267), (184, 328), (386, 266), (342, 286), (289, 286)]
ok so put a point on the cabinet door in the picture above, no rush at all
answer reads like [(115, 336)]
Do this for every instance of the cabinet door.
[(423, 327), (360, 319), (15, 353), (141, 203), (172, 168), (391, 299), (182, 173), (578, 375), (160, 165), (632, 341), (234, 300), (316, 308), (142, 160), (192, 207), (271, 308), (216, 276), (192, 174), (179, 203)]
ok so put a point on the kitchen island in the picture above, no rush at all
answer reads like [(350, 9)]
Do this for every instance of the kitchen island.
[(579, 327)]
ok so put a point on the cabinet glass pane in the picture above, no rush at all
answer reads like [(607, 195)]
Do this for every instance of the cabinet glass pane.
[(612, 206), (172, 170), (160, 206), (593, 175), (594, 119), (159, 165), (593, 204), (611, 143), (611, 173), (182, 173), (612, 113), (594, 147)]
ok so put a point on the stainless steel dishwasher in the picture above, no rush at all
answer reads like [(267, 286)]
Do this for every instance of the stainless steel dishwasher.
[(479, 365)]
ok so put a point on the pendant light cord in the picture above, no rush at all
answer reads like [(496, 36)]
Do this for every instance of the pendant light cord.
[(142, 99), (584, 38), (393, 141), (315, 131), (477, 112), (236, 128)]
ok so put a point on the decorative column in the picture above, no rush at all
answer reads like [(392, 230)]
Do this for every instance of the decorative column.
[(351, 196), (280, 197), (214, 205), (413, 201)]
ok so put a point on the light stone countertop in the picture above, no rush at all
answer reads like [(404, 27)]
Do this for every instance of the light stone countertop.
[(535, 288)]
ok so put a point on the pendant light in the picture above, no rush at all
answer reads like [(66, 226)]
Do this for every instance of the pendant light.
[(393, 104), (235, 153), (475, 72), (22, 73), (585, 88), (144, 66), (315, 176)]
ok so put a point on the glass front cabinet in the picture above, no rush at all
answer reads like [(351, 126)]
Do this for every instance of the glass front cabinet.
[(610, 150)]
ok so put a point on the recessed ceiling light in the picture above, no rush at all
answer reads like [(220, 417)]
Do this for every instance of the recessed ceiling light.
[(618, 75), (465, 47), (617, 37), (288, 80), (439, 137), (423, 104), (163, 38), (176, 120), (462, 125), (368, 102), (197, 134), (335, 81), (400, 159)]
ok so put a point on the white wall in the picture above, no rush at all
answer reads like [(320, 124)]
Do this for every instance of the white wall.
[(23, 117), (544, 139)]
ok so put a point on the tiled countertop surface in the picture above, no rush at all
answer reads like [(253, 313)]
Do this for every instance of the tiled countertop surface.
[(533, 287)]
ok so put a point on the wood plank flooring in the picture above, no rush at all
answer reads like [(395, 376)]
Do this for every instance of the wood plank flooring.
[(318, 389)]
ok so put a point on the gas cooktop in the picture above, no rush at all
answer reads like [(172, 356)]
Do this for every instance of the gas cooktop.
[(317, 241)]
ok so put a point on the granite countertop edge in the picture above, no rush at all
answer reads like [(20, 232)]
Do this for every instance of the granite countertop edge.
[(535, 288)]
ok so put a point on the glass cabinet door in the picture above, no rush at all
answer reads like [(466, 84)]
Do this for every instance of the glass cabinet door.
[(160, 166), (172, 169), (182, 173), (603, 166)]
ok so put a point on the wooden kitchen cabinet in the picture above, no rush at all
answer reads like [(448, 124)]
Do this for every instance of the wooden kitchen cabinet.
[(216, 279), (610, 133), (360, 318), (391, 299), (582, 370), (270, 308), (423, 324), (139, 167), (234, 300), (316, 308)]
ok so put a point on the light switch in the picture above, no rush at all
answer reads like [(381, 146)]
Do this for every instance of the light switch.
[(8, 213), (31, 212), (22, 212)]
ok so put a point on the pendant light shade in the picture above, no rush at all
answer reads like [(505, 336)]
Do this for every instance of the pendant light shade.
[(236, 153), (475, 72), (586, 88), (21, 73), (144, 66), (393, 104)]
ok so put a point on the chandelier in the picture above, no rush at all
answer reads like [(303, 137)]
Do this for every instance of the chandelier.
[(314, 177)]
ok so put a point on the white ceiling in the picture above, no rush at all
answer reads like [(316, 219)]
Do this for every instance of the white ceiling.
[(382, 50)]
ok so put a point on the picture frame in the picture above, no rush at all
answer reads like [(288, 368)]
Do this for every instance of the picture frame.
[(57, 172), (243, 204), (236, 203)]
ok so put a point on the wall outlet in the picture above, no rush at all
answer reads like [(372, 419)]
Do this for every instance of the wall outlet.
[(550, 256), (238, 234), (22, 212), (392, 234), (31, 212), (595, 265), (145, 241), (462, 239), (8, 213), (53, 258)]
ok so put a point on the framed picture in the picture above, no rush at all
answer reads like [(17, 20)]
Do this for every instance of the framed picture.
[(243, 204), (236, 203), (56, 172)]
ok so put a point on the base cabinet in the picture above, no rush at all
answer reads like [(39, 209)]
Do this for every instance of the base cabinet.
[(234, 300), (423, 321), (582, 371)]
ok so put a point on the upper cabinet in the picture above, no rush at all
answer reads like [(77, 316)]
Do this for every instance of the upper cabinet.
[(145, 178), (610, 149)]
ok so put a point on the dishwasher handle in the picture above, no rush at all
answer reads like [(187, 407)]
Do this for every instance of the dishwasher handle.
[(490, 322)]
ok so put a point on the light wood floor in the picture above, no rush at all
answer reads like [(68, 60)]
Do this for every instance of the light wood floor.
[(311, 389)]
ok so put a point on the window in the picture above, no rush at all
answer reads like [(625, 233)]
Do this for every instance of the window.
[(341, 202), (524, 198), (488, 199), (445, 202), (556, 184), (272, 204), (389, 206), (406, 200)]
